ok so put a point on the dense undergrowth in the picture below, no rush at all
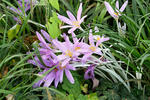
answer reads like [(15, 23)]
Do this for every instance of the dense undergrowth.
[(124, 77)]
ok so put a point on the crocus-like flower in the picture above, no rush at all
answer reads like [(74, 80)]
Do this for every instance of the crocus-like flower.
[(90, 49), (50, 60), (72, 21), (100, 39), (115, 14), (68, 50), (19, 10), (89, 73)]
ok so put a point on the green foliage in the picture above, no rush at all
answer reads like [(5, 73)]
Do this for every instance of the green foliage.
[(13, 31), (53, 26), (54, 3), (72, 88)]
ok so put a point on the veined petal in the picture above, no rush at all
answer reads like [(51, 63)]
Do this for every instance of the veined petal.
[(46, 35), (42, 40), (65, 62), (79, 12), (72, 30), (71, 16), (57, 79), (64, 19), (69, 76), (49, 79), (61, 57), (91, 38), (71, 67), (82, 19), (117, 6), (66, 26), (85, 57), (123, 6), (61, 75), (59, 45), (110, 9)]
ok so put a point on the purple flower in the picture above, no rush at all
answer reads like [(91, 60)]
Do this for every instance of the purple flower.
[(89, 73), (67, 49), (115, 14), (100, 39), (18, 11), (72, 21), (90, 49)]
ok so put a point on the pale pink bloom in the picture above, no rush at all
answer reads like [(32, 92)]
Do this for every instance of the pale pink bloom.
[(115, 14), (72, 21)]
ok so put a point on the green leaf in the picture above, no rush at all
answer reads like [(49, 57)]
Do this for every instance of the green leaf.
[(54, 3), (92, 96), (82, 97), (70, 97), (13, 31), (53, 26), (72, 88)]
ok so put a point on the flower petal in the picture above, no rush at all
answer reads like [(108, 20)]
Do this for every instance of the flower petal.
[(66, 61), (71, 16), (61, 75), (46, 35), (42, 40), (72, 30), (79, 12), (66, 26), (91, 38), (110, 9), (69, 76), (123, 6), (117, 6), (64, 19), (49, 79)]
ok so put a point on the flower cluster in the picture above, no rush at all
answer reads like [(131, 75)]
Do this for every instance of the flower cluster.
[(63, 56), (25, 7)]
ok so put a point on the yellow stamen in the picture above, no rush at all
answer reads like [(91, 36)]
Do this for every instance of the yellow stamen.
[(116, 13), (62, 67), (69, 53), (92, 48), (76, 23), (77, 48), (98, 38)]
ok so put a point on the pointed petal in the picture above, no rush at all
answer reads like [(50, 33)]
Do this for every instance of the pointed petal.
[(66, 61), (117, 5), (71, 67), (66, 26), (59, 45), (71, 16), (69, 76), (82, 19), (91, 38), (64, 19), (57, 79), (61, 76), (72, 30), (110, 9), (79, 12), (85, 57), (49, 79), (42, 40), (123, 6), (46, 35)]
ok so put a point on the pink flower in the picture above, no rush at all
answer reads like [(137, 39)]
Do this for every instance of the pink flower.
[(72, 21), (115, 14)]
